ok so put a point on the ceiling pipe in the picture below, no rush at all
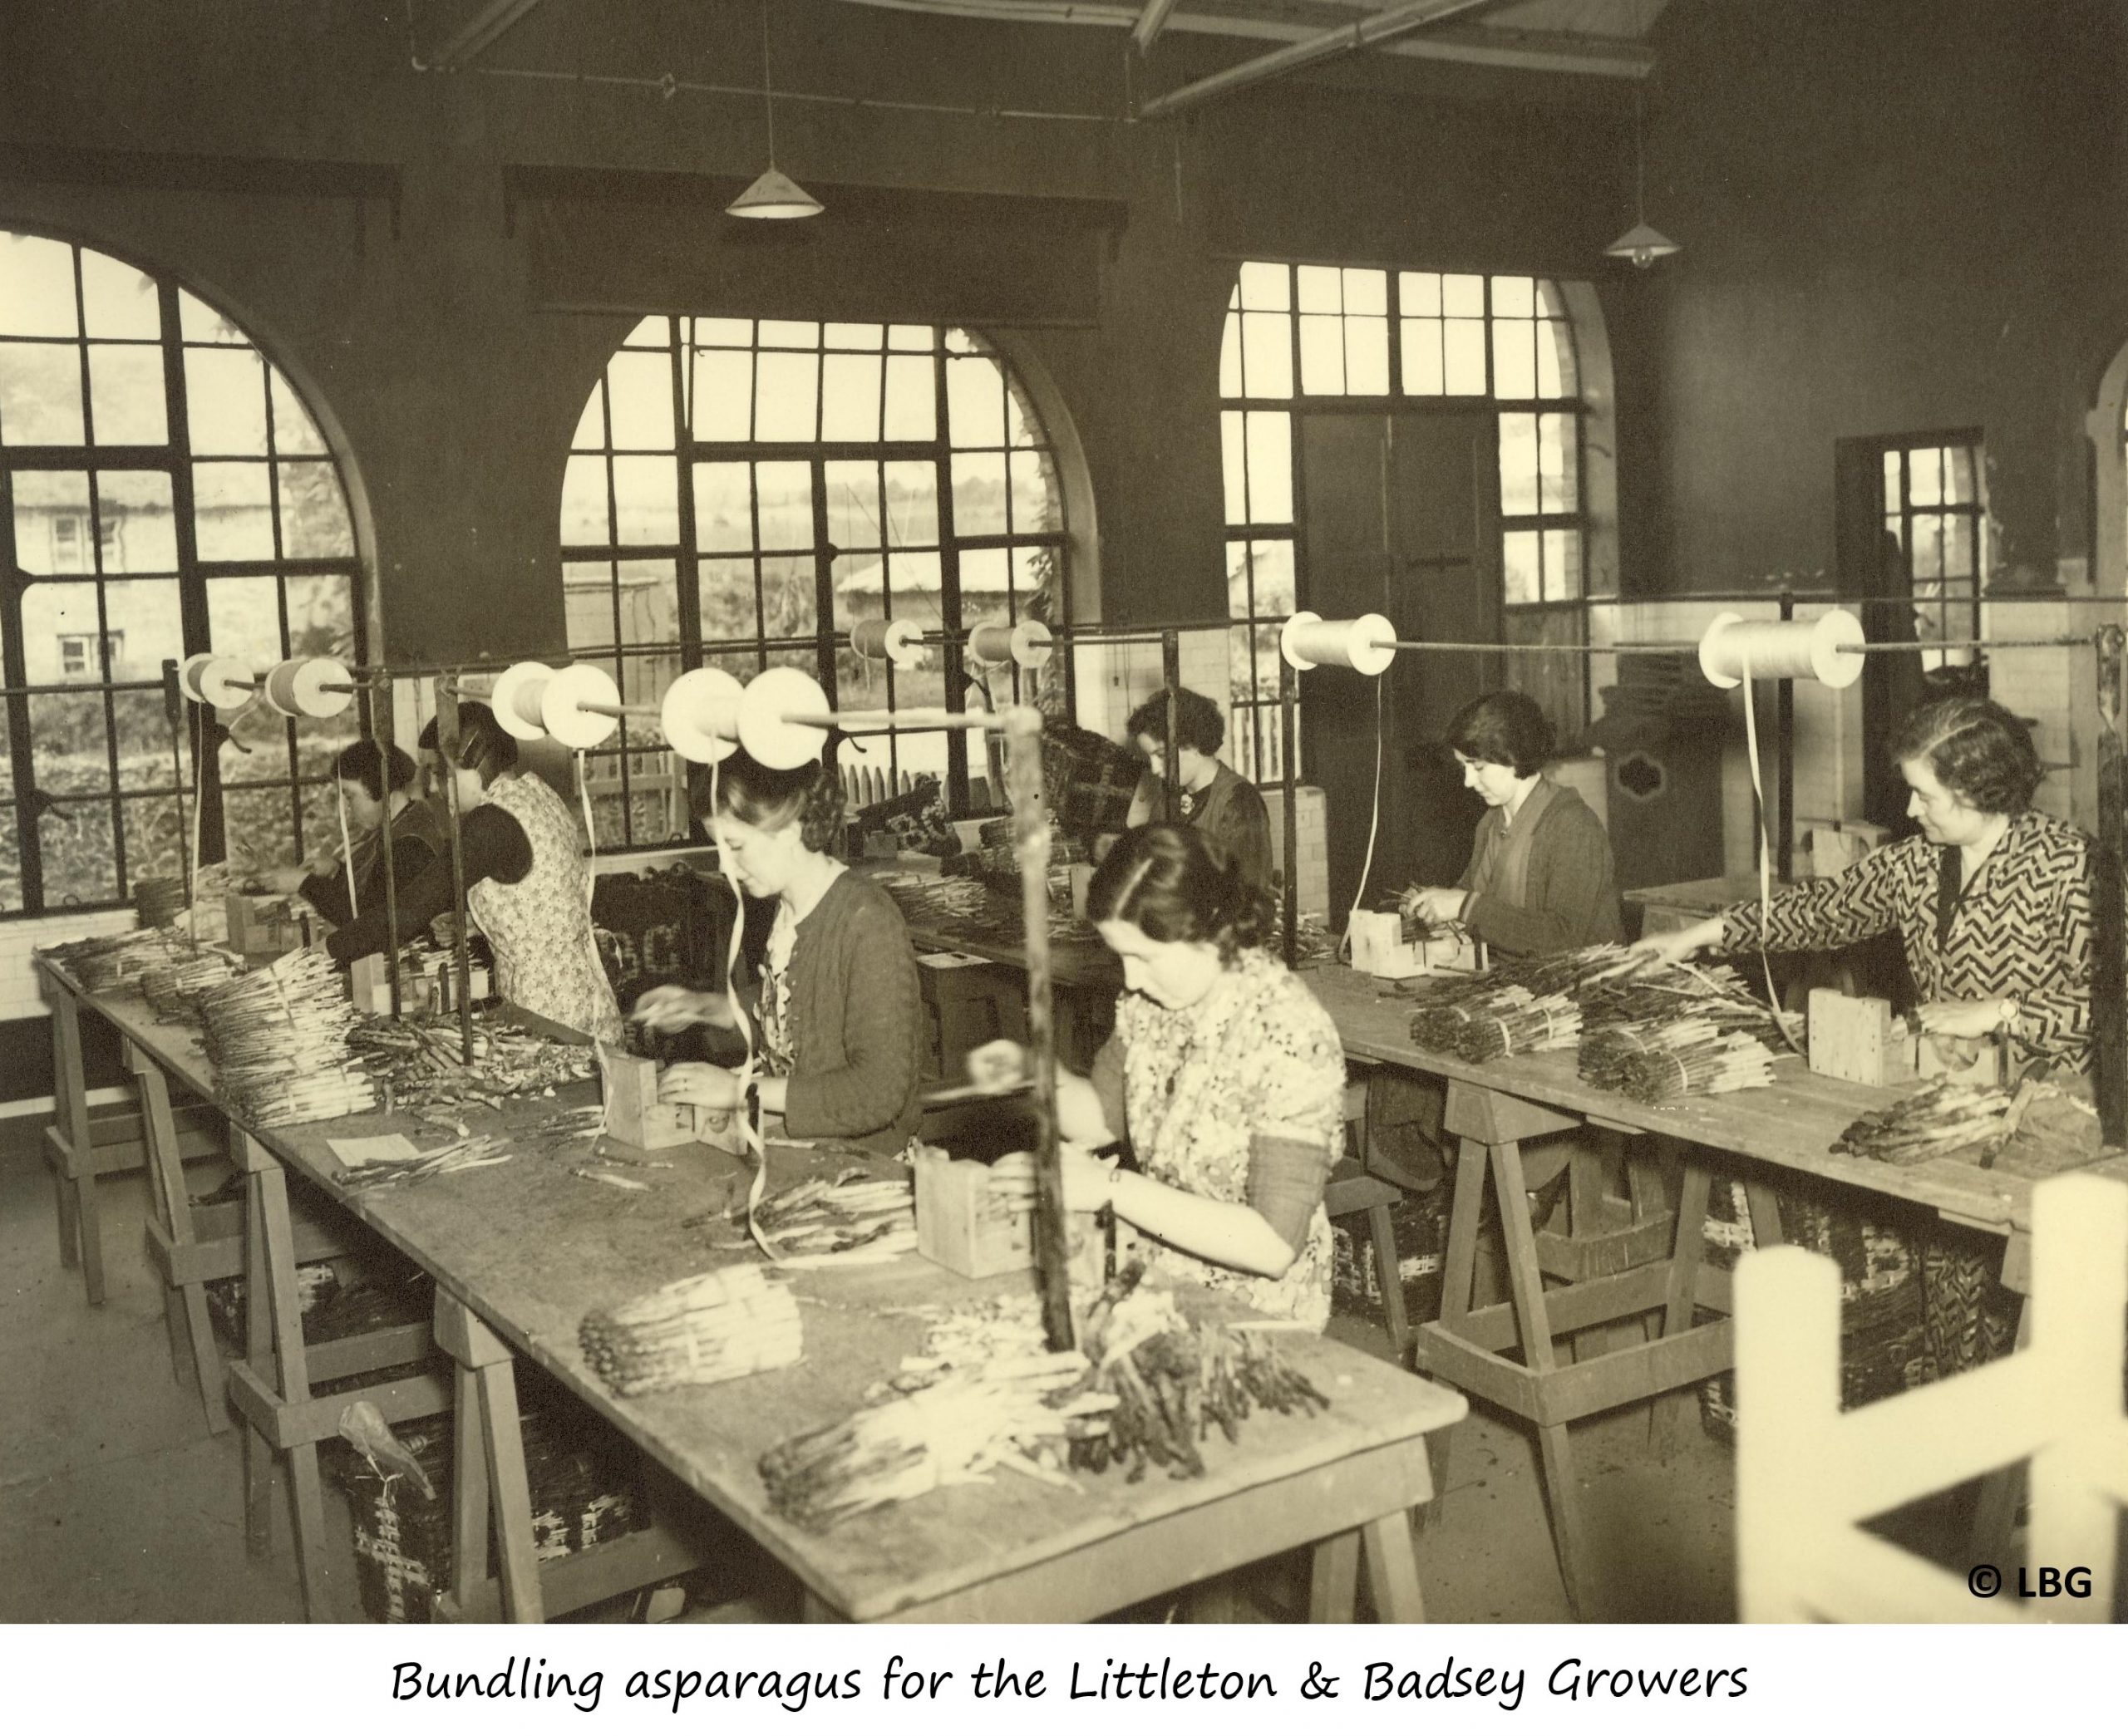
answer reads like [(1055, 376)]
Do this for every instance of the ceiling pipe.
[(1330, 45), (483, 28), (1150, 22)]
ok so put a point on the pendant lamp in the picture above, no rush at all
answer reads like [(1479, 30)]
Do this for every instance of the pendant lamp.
[(773, 194), (1644, 244)]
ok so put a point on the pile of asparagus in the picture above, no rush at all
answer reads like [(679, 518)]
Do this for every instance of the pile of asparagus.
[(104, 962), (418, 1060), (1965, 1123), (836, 1217), (468, 1151), (279, 1040), (1656, 1060), (173, 989), (715, 1326), (1515, 1021)]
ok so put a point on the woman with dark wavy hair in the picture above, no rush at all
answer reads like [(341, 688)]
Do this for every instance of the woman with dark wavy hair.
[(838, 1005), (1224, 1076)]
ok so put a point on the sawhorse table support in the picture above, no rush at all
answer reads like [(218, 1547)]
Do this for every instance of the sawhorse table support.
[(1621, 1261)]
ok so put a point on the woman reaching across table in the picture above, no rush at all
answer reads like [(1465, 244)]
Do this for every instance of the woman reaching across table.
[(417, 840)]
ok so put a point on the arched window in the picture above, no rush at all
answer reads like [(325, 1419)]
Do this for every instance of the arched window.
[(163, 491), (739, 492), (1302, 338)]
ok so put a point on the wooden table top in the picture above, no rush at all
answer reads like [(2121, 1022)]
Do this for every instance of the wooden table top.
[(530, 1248), (1791, 1124)]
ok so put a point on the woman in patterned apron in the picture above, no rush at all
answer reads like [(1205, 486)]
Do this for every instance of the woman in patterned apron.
[(527, 885), (1225, 1075)]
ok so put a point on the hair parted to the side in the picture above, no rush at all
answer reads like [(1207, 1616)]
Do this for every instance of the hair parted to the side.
[(1170, 883), (484, 745), (362, 762), (1977, 750), (1198, 720), (810, 797), (1506, 729)]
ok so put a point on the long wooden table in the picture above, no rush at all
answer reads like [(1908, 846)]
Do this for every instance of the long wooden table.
[(522, 1251)]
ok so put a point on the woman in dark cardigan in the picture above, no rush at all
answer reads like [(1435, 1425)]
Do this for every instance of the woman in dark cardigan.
[(1540, 877), (838, 1007)]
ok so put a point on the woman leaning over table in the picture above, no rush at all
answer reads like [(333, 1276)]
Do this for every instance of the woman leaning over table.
[(1225, 1075), (417, 837), (1991, 903), (839, 1004), (527, 884)]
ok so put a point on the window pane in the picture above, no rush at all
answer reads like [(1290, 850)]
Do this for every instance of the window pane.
[(155, 841), (1518, 463), (786, 494), (655, 331), (853, 490), (243, 621), (138, 522), (1958, 546), (1266, 286), (142, 624), (790, 596), (986, 581), (648, 603), (1273, 565), (125, 395), (911, 338), (1022, 425), (790, 391), (854, 337), (1037, 504), (1230, 357), (646, 501), (584, 503), (1515, 359), (60, 643), (1238, 592), (1463, 344), (1365, 292), (321, 616), (860, 583), (789, 334), (233, 516), (912, 503), (1322, 353), (639, 385), (295, 434), (1519, 581), (51, 521), (978, 494), (1462, 296), (36, 288), (1927, 550), (587, 602), (1958, 477), (1367, 356), (1560, 480), (118, 300), (1321, 289), (1418, 292), (1925, 475), (849, 398), (225, 402), (726, 590), (40, 395), (1267, 360), (1515, 298), (81, 860), (1234, 465), (1562, 565), (724, 506), (313, 512), (724, 394), (199, 323), (1422, 372), (590, 433), (1035, 573), (912, 398), (729, 333), (1556, 377), (1270, 467), (914, 586), (975, 402)]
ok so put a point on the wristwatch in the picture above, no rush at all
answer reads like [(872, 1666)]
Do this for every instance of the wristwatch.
[(2009, 1010)]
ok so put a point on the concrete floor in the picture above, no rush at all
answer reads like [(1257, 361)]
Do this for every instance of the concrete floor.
[(117, 1505)]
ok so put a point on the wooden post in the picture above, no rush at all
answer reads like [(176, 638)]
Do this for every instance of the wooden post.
[(1784, 853), (1291, 818), (1171, 680), (1031, 843), (174, 715), (382, 726), (446, 741), (2109, 920)]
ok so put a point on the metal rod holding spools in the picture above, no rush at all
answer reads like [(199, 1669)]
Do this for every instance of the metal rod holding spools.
[(447, 742), (2109, 902)]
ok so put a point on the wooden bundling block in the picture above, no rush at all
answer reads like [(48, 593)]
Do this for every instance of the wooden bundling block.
[(1986, 1068), (633, 1114), (1380, 949), (961, 1227), (369, 982), (1855, 1037)]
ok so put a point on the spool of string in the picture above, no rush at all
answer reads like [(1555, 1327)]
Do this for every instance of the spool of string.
[(1308, 641)]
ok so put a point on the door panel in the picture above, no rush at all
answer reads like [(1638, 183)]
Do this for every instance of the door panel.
[(1400, 516)]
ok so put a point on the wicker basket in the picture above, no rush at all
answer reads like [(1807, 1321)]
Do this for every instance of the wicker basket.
[(1420, 1223)]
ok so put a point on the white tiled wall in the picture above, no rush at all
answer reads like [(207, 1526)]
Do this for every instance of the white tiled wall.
[(18, 983)]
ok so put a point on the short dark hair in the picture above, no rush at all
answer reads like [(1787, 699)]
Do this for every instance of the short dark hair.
[(1167, 880), (1977, 752), (1506, 729), (362, 762), (763, 796), (1198, 723), (484, 745)]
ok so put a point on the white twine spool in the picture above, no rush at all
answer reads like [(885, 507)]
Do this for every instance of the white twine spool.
[(298, 688), (188, 673), (699, 715), (1307, 642), (571, 705), (899, 642), (1033, 644), (223, 683), (516, 699), (1782, 650), (990, 644), (770, 701)]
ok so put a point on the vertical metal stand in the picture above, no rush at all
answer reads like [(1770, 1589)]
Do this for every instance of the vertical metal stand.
[(1031, 845), (173, 714), (1171, 684), (2108, 919), (1785, 789), (383, 727), (1290, 818), (446, 741)]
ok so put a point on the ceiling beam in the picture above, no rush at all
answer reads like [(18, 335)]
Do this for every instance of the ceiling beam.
[(474, 37), (1147, 30), (1329, 45)]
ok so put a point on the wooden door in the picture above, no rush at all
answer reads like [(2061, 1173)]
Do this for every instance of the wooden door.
[(1400, 515)]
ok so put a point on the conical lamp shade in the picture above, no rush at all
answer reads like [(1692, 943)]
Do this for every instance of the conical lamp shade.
[(1644, 245), (775, 194)]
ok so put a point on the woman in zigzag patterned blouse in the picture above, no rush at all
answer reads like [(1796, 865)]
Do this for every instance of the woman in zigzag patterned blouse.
[(1993, 902)]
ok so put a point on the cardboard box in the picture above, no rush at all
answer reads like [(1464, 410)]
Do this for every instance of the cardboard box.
[(1857, 1038), (961, 1226), (1379, 948), (635, 1117), (263, 929)]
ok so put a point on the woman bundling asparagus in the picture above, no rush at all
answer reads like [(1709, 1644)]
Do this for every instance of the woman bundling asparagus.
[(527, 884), (1224, 1076), (839, 1005), (417, 839)]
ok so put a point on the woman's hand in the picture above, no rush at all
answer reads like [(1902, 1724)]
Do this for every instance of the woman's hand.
[(668, 1007), (1679, 945), (999, 1065), (1968, 1019), (1434, 904), (1089, 1182), (699, 1082), (281, 880)]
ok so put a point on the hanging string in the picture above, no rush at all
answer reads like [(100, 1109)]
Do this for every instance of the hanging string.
[(347, 847), (1765, 842), (197, 734), (1373, 828)]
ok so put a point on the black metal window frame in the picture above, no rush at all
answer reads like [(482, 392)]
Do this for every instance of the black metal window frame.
[(175, 459), (1256, 745), (1951, 609), (639, 665)]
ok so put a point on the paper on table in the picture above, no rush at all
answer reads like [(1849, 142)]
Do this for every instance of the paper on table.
[(375, 1148), (948, 961)]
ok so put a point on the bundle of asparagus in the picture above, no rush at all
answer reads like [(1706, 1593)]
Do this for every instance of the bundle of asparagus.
[(1515, 1021), (1657, 1060), (173, 989), (105, 962), (467, 1152), (818, 1220), (1962, 1123), (418, 1060), (278, 1040), (1021, 1414), (715, 1326)]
